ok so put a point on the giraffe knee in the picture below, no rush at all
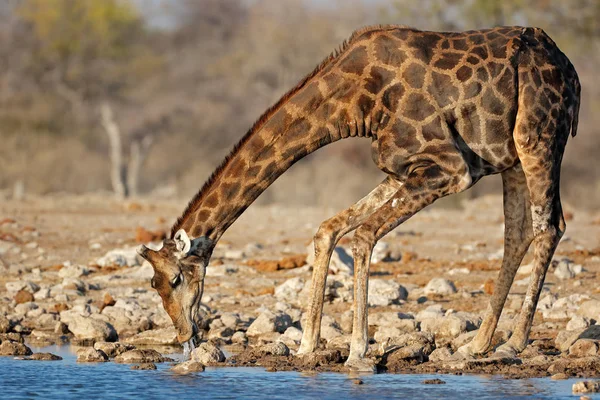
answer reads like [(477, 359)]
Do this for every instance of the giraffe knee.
[(326, 237)]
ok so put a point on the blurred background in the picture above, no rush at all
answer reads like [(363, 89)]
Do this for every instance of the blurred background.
[(161, 89)]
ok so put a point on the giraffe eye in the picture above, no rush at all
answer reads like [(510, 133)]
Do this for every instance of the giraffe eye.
[(176, 281), (152, 284)]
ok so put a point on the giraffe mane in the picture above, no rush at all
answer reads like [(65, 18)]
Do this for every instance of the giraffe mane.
[(333, 56)]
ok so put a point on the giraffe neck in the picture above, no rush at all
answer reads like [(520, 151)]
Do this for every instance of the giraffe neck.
[(303, 123)]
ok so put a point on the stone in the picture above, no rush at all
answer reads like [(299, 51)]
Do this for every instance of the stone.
[(565, 269), (450, 326), (403, 322), (10, 348), (164, 336), (440, 286), (586, 387), (188, 367), (74, 284), (239, 338), (590, 309), (440, 354), (90, 354), (139, 356), (43, 357), (293, 333), (73, 271), (144, 367), (14, 287), (113, 349), (290, 289), (5, 324), (23, 296), (230, 320), (431, 312), (272, 349), (269, 322), (385, 292), (565, 339), (583, 348), (341, 262), (93, 329), (125, 257), (381, 252), (421, 340), (577, 323), (208, 353)]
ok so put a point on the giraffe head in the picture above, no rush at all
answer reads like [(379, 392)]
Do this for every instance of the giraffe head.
[(179, 270)]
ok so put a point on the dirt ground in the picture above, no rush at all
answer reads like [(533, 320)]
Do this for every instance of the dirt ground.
[(464, 245)]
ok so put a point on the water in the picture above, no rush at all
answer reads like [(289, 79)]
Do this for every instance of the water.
[(66, 379)]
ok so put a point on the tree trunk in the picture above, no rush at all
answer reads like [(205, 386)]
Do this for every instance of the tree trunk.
[(117, 168), (137, 154)]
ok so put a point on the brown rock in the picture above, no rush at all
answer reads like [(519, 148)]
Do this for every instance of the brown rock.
[(188, 367), (90, 354), (267, 290), (23, 296), (139, 356), (10, 348), (59, 307), (143, 235), (488, 287), (583, 348), (144, 367), (409, 256), (108, 300), (44, 357), (586, 387)]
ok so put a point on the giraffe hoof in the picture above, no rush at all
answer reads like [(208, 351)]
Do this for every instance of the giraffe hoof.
[(360, 365), (505, 351)]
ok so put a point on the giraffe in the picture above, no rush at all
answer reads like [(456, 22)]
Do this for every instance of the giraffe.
[(442, 110)]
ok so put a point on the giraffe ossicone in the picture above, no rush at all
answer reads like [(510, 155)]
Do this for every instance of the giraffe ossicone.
[(442, 110)]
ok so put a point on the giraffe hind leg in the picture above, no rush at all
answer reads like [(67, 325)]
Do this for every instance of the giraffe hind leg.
[(325, 240), (518, 235)]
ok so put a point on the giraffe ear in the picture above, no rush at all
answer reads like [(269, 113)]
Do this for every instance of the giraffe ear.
[(182, 241)]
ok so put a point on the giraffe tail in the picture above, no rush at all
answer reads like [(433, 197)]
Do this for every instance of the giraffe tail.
[(576, 100)]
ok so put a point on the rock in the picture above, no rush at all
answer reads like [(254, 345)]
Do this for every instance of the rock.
[(125, 257), (590, 309), (293, 333), (187, 367), (239, 338), (290, 289), (565, 339), (403, 322), (450, 326), (14, 287), (440, 354), (23, 296), (92, 329), (74, 284), (385, 333), (565, 269), (341, 262), (90, 354), (381, 252), (144, 367), (113, 349), (43, 357), (164, 336), (73, 271), (139, 356), (269, 322), (583, 348), (385, 292), (431, 312), (272, 349), (559, 377), (586, 387), (440, 286), (230, 320), (5, 324), (421, 340), (578, 323), (434, 381), (10, 348), (207, 354)]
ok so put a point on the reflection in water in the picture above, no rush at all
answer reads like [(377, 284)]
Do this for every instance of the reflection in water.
[(67, 379)]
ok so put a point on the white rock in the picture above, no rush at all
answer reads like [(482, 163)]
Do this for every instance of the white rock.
[(290, 289), (440, 286), (381, 251), (13, 287), (341, 261), (459, 271), (125, 257), (293, 333), (89, 328), (73, 271), (577, 323), (164, 336), (431, 312), (525, 269), (207, 353), (269, 322), (565, 269), (385, 292)]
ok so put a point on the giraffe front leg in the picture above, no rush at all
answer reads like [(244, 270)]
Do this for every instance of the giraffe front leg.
[(325, 241), (411, 198)]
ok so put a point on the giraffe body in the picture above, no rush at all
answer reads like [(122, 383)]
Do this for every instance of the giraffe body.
[(442, 110)]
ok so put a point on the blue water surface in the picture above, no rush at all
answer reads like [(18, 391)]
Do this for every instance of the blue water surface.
[(68, 380)]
